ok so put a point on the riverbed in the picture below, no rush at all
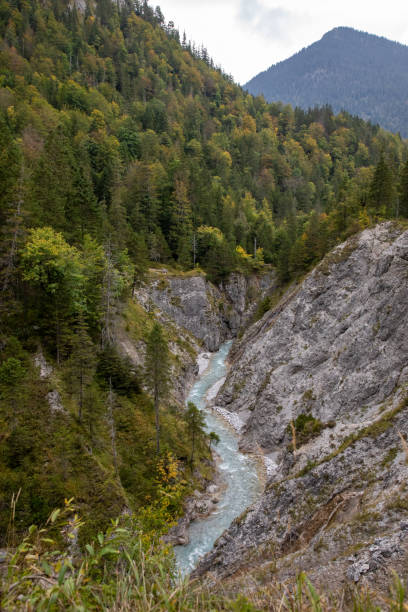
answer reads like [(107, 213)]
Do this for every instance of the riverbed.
[(239, 471)]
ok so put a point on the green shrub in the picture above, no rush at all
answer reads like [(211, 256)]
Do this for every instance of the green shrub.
[(306, 427)]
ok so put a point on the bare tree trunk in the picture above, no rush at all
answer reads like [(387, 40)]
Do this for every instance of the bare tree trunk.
[(81, 391), (157, 415), (112, 427), (10, 261), (57, 331), (192, 448), (107, 330)]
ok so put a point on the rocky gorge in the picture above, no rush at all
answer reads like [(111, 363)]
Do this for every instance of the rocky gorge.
[(199, 316), (320, 385)]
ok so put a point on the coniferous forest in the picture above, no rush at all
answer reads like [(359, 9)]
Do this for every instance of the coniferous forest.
[(123, 148)]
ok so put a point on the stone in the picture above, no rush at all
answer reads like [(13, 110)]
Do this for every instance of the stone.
[(336, 348), (211, 313), (55, 402), (44, 367)]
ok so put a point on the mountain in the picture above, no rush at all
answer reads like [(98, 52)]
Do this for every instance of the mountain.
[(364, 74)]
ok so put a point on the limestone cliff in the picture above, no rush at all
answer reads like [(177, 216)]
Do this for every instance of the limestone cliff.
[(321, 385), (195, 313), (211, 314)]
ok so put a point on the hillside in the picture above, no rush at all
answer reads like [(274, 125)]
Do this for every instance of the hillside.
[(347, 69)]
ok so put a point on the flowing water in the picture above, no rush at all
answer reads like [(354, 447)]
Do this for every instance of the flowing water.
[(239, 471)]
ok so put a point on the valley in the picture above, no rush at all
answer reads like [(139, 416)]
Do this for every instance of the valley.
[(203, 329)]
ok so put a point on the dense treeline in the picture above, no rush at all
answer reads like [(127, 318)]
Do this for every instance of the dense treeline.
[(114, 129), (359, 72), (120, 146)]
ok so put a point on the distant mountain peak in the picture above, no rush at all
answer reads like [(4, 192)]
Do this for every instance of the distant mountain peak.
[(349, 69), (344, 30), (340, 30)]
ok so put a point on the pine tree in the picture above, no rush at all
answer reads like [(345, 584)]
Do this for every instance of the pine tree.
[(214, 438), (157, 370), (109, 298), (182, 227), (112, 426), (403, 202), (12, 192), (82, 363), (140, 257), (195, 425), (382, 190)]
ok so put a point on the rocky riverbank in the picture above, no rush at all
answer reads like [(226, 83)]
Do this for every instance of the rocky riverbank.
[(198, 506), (321, 384)]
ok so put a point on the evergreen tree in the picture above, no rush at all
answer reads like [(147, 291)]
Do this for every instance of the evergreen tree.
[(195, 426), (182, 226), (140, 257), (382, 190), (213, 438), (82, 363), (403, 201), (157, 371)]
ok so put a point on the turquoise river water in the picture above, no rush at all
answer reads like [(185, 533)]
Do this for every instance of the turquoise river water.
[(239, 471)]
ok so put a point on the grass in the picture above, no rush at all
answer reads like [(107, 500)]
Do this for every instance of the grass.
[(137, 321), (371, 431), (305, 428), (129, 569), (173, 271)]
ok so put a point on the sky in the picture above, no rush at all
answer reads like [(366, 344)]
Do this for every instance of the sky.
[(245, 37)]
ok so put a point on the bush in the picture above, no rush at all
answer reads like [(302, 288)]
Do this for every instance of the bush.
[(306, 427)]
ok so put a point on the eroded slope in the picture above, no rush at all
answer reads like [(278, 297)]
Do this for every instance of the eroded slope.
[(325, 377)]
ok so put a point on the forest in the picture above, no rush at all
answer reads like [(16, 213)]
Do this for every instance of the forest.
[(124, 148)]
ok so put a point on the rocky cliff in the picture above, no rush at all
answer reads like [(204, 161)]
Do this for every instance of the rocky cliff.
[(211, 313), (320, 384)]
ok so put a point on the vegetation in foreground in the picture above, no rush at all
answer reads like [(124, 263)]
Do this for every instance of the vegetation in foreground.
[(128, 568)]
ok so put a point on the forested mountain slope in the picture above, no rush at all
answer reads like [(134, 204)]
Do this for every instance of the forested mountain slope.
[(124, 148), (359, 72)]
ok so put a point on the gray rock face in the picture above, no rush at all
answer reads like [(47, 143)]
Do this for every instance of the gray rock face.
[(55, 402), (344, 518), (212, 314), (183, 348), (335, 349), (194, 304), (42, 364)]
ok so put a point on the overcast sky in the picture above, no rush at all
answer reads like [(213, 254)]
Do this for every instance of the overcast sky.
[(247, 36)]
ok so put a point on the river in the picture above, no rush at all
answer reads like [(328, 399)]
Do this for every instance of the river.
[(239, 471)]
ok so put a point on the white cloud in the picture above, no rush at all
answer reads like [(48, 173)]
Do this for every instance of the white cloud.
[(247, 36), (270, 21)]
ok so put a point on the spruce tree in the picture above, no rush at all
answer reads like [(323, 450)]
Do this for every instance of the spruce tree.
[(157, 370), (195, 425), (214, 438), (403, 202), (82, 363), (382, 191)]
